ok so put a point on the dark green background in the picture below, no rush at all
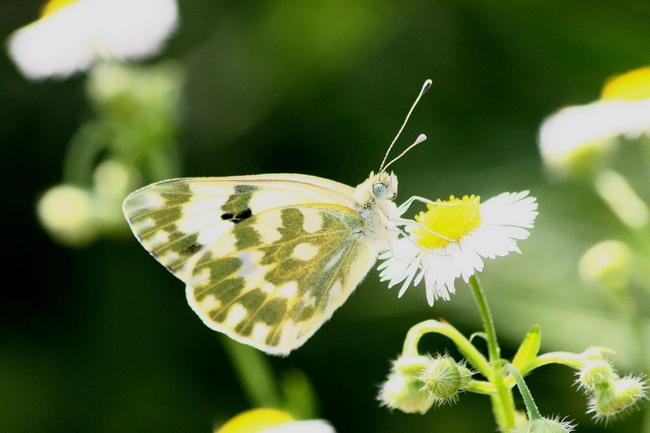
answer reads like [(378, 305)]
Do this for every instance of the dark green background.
[(102, 340)]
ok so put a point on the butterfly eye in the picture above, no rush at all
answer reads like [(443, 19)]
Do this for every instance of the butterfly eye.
[(379, 190)]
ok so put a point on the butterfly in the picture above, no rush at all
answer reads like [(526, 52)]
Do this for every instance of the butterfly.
[(267, 259)]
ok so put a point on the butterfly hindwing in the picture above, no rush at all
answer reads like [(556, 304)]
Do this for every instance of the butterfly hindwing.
[(278, 276)]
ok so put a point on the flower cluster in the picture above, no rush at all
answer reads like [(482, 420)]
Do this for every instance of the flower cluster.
[(77, 216), (418, 382), (135, 127), (609, 394)]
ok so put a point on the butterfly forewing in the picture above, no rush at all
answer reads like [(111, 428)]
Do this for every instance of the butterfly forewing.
[(175, 219)]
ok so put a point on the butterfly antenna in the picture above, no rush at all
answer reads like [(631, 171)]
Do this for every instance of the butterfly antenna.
[(425, 87), (418, 140)]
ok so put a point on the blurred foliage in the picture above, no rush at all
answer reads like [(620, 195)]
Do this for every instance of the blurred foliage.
[(102, 339)]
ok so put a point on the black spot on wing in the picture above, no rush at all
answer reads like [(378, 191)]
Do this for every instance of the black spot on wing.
[(237, 207), (238, 217)]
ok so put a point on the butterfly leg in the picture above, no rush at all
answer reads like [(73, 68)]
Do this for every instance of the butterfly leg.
[(391, 240), (403, 221), (408, 222), (404, 206)]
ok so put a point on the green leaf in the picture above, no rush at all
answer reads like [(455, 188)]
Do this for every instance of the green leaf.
[(528, 349)]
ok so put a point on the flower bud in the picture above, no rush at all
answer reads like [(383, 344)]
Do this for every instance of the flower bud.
[(411, 365), (112, 178), (66, 213), (444, 378), (596, 374), (622, 394), (404, 390), (609, 262), (596, 353), (544, 425)]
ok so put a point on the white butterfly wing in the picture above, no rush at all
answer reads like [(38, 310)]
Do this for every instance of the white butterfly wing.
[(266, 259)]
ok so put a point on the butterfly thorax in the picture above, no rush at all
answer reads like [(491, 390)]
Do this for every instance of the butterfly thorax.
[(375, 205)]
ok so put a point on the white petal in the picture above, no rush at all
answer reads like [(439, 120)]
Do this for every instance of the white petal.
[(312, 426), (410, 273)]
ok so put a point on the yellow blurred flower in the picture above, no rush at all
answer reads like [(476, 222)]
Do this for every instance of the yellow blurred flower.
[(631, 86)]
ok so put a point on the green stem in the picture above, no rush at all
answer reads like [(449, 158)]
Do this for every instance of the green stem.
[(503, 403), (81, 157), (255, 374), (531, 407), (491, 335), (573, 360), (630, 306), (471, 354), (481, 387)]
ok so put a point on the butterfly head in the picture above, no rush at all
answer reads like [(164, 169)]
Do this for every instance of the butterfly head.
[(384, 186), (380, 187)]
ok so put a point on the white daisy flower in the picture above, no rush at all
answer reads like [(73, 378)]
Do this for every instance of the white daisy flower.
[(72, 34), (575, 138), (458, 233)]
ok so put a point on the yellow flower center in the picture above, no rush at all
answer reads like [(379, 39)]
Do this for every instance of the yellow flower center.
[(631, 86), (54, 5), (449, 221)]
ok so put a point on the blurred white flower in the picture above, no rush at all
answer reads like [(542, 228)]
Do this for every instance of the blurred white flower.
[(272, 421), (457, 234), (575, 138), (73, 34)]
